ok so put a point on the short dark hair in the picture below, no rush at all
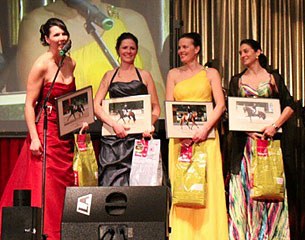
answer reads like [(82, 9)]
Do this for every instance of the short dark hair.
[(255, 45), (123, 36), (195, 37), (45, 29)]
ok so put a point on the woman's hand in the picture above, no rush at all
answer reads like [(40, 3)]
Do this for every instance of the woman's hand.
[(148, 133), (254, 135), (269, 132), (36, 147), (85, 127), (120, 130), (186, 142), (200, 135)]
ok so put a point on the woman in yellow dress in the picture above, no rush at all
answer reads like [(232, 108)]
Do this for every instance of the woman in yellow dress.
[(192, 82)]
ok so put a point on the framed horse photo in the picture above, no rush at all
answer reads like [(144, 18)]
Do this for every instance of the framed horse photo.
[(74, 109), (184, 118), (133, 112), (252, 114)]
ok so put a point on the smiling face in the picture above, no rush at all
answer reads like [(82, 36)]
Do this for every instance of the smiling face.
[(57, 38), (248, 55), (187, 50), (128, 51)]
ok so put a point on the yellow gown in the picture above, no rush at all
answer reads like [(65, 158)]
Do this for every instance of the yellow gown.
[(210, 222)]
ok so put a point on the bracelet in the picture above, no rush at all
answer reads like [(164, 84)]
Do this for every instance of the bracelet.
[(275, 127)]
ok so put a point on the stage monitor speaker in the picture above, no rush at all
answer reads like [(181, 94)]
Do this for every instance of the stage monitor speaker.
[(21, 222), (101, 213)]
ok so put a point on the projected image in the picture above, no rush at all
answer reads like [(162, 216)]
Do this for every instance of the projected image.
[(94, 26)]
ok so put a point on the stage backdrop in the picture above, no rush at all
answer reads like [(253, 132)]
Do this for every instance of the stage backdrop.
[(20, 45)]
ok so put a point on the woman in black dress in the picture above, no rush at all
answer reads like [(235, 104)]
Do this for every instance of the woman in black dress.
[(124, 81)]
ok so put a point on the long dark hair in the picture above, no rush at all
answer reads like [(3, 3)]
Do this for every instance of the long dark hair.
[(45, 29), (123, 36), (255, 45)]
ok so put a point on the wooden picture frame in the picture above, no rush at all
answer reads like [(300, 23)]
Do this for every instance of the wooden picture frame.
[(74, 109), (183, 118), (252, 114), (133, 112)]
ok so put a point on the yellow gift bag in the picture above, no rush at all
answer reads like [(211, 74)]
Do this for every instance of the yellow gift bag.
[(267, 171), (84, 163), (190, 183)]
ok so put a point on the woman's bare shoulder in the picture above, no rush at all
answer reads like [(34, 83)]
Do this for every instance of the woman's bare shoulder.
[(144, 73), (176, 71), (108, 76), (212, 73), (43, 61), (110, 73)]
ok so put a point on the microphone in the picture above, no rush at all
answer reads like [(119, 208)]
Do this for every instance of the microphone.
[(91, 13), (65, 48)]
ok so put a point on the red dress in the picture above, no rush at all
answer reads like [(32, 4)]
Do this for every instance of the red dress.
[(27, 173)]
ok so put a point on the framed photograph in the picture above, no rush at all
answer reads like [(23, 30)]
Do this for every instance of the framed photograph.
[(133, 112), (252, 114), (184, 118), (74, 109)]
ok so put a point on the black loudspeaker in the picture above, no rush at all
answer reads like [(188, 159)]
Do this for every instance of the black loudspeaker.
[(125, 213), (21, 222)]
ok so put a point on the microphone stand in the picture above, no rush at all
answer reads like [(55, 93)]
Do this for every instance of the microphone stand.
[(44, 161), (92, 30)]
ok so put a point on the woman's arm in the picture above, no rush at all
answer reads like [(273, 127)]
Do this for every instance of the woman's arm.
[(287, 103), (220, 107), (119, 130), (271, 130), (34, 85)]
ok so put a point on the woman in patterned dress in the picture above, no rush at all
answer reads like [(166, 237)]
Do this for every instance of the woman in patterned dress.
[(250, 219)]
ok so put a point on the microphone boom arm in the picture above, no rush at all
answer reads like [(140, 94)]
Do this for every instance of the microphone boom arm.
[(92, 30)]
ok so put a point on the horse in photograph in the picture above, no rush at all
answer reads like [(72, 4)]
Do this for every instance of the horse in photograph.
[(75, 108), (251, 112), (188, 118), (126, 114)]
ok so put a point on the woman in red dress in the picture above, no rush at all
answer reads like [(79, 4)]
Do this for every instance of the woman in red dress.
[(27, 173)]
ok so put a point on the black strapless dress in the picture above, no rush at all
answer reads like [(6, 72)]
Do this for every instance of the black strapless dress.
[(116, 153)]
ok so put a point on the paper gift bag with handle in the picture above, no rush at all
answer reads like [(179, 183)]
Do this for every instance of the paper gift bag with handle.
[(84, 163), (267, 171), (146, 166)]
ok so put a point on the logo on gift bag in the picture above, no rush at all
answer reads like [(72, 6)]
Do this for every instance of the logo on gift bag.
[(262, 148), (141, 148), (75, 173), (186, 153), (84, 204)]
